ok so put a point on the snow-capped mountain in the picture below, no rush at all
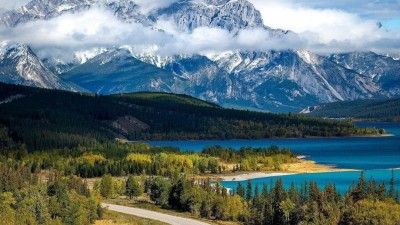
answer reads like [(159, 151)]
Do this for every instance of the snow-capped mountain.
[(314, 74), (59, 66), (202, 77), (383, 70), (279, 81), (19, 65), (125, 10), (117, 71), (230, 15)]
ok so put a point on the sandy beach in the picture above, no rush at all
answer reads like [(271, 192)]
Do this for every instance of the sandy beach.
[(301, 167), (255, 175), (308, 166)]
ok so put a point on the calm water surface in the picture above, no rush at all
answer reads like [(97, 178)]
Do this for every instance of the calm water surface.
[(342, 180), (374, 154), (364, 153)]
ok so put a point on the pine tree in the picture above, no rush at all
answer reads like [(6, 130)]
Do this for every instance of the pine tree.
[(381, 192), (314, 192), (294, 194), (391, 193), (249, 191), (256, 197), (218, 188), (360, 192), (279, 195), (240, 190)]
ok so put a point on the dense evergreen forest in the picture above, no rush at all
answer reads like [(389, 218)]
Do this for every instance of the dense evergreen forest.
[(365, 203), (366, 109), (51, 119)]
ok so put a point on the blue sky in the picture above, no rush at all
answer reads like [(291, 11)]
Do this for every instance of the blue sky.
[(392, 24), (370, 8), (385, 11)]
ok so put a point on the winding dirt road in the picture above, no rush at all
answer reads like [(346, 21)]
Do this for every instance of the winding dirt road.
[(173, 220)]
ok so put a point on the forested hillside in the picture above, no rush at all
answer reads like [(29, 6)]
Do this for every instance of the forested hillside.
[(372, 109), (50, 119)]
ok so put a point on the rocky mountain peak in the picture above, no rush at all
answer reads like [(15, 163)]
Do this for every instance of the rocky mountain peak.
[(20, 65), (230, 15), (125, 10)]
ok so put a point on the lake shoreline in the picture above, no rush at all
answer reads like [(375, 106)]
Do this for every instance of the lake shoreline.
[(301, 167), (272, 138)]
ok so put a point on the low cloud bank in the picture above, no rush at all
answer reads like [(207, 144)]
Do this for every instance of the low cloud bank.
[(99, 28)]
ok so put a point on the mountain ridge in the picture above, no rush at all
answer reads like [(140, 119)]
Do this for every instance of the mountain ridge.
[(364, 109), (278, 81), (20, 65)]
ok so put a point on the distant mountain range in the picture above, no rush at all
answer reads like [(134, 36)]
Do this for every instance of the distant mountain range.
[(277, 81)]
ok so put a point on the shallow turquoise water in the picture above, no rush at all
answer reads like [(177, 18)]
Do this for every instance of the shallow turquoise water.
[(342, 180), (373, 154)]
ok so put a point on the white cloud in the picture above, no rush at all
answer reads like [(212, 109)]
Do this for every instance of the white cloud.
[(327, 24), (205, 40), (96, 27), (6, 5), (325, 30)]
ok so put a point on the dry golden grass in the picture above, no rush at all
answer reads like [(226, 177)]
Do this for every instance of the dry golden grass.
[(145, 204), (306, 166), (114, 218)]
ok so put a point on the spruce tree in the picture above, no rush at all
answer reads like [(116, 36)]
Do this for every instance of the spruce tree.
[(391, 193), (249, 191), (240, 190)]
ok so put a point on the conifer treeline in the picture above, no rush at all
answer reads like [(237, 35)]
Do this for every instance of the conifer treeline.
[(52, 119), (366, 203), (26, 199)]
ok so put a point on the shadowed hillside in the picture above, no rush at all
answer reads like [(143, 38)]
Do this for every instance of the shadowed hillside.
[(48, 119)]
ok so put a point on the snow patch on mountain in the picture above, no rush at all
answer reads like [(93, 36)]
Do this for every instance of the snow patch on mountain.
[(308, 57), (229, 15), (84, 56), (125, 10), (11, 99), (19, 65)]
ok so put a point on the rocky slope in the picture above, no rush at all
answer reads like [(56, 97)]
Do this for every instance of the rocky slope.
[(383, 70), (230, 15), (20, 65), (117, 71), (125, 10)]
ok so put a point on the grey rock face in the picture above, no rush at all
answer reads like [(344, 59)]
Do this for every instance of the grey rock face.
[(19, 65), (383, 70), (117, 71), (229, 15), (125, 10)]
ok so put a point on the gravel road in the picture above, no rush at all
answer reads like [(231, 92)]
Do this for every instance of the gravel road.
[(174, 220)]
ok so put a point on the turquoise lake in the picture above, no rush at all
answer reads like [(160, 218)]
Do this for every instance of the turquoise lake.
[(342, 180), (375, 155)]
